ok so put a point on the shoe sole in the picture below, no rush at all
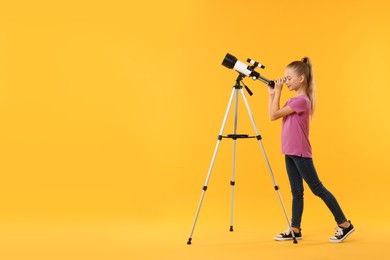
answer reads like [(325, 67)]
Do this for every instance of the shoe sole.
[(286, 239), (341, 240)]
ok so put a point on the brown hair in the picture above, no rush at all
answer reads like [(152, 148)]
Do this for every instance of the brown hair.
[(304, 67)]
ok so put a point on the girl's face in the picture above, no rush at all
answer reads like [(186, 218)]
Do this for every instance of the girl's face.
[(293, 80)]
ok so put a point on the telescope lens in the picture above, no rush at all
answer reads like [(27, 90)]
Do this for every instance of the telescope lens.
[(229, 61)]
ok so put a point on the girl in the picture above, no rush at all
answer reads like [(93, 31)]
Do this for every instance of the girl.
[(297, 149)]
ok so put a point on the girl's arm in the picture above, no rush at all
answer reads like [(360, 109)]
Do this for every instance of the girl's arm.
[(275, 112)]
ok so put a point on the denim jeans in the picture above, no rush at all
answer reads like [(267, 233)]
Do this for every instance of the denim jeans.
[(299, 169)]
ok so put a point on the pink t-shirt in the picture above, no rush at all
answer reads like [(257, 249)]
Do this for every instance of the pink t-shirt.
[(295, 128)]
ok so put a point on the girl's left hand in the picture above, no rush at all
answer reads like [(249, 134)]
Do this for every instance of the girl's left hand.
[(279, 84)]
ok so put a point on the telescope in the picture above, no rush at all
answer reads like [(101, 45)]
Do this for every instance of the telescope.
[(232, 62)]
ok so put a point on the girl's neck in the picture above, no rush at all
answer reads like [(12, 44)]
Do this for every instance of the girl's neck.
[(301, 91)]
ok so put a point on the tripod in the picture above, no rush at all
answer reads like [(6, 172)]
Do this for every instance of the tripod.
[(237, 88)]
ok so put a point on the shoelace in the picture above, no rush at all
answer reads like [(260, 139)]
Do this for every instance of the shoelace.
[(339, 232), (287, 232)]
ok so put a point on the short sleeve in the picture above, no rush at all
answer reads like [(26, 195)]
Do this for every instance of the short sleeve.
[(299, 105)]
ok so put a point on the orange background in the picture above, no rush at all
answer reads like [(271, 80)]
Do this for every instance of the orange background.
[(110, 110)]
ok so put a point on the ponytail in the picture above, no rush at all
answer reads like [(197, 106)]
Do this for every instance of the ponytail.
[(304, 67), (311, 91)]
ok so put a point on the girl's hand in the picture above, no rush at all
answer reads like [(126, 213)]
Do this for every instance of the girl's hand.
[(271, 91), (279, 84)]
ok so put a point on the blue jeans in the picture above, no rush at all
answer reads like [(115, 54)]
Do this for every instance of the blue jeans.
[(299, 169)]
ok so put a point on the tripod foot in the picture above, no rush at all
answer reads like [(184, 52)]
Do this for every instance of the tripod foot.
[(231, 228), (295, 241), (189, 241)]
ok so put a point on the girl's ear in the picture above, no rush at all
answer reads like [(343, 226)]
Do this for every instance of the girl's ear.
[(301, 78)]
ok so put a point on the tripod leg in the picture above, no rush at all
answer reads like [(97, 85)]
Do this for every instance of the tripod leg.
[(268, 164), (233, 182), (211, 164)]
